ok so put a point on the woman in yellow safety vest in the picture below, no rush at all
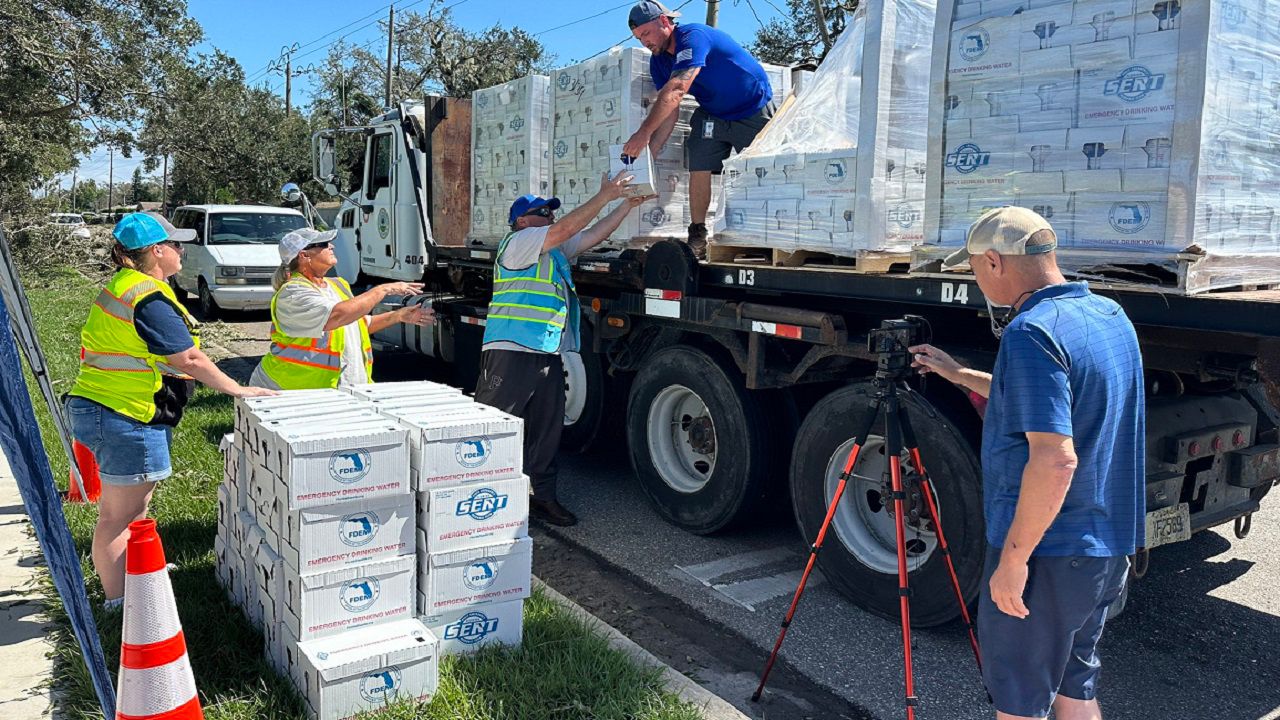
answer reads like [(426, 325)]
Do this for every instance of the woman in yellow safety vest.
[(319, 328), (139, 359)]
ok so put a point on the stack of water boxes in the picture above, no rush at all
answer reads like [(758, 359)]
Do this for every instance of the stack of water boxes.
[(599, 103), (474, 554), (1139, 125), (842, 169), (511, 150), (316, 544)]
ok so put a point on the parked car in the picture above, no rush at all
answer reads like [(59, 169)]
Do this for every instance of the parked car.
[(230, 263), (73, 223)]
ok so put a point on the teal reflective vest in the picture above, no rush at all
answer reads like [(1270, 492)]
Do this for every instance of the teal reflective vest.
[(533, 306)]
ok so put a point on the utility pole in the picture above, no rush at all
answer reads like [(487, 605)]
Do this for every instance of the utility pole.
[(391, 41), (713, 12), (111, 176), (74, 172), (288, 81), (164, 186)]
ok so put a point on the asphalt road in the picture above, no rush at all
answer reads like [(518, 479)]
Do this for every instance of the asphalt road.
[(1199, 638)]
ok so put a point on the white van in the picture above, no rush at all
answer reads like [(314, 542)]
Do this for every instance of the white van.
[(230, 263)]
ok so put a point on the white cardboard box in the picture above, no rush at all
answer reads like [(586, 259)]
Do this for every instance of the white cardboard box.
[(355, 672), (339, 463), (336, 536), (468, 630), (461, 445), (465, 516), (641, 168), (333, 602), (450, 581), (376, 391)]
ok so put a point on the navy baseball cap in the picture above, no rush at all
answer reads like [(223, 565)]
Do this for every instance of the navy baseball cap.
[(647, 11), (528, 203)]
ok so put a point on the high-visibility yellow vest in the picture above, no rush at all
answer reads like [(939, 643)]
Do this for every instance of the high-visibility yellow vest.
[(116, 369), (533, 307), (307, 363)]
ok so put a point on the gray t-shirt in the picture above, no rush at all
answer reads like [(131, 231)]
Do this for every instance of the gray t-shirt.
[(302, 309), (523, 250)]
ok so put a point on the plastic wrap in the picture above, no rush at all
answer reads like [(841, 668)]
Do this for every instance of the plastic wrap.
[(842, 167), (510, 150), (1138, 128)]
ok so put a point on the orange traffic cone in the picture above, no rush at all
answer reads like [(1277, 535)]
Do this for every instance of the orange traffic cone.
[(89, 477), (155, 675)]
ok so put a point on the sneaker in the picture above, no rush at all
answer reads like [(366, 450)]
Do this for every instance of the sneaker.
[(113, 605), (550, 511), (698, 240)]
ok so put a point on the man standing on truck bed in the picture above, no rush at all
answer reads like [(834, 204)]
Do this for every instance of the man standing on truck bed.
[(533, 320), (1063, 468), (732, 90)]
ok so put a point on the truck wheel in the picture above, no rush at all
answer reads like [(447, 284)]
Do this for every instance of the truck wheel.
[(699, 442), (583, 397), (178, 292), (208, 306), (859, 557)]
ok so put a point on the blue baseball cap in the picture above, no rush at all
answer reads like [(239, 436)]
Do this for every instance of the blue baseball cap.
[(138, 230), (528, 203), (648, 11)]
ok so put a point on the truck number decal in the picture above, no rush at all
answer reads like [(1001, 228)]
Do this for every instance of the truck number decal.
[(955, 293), (746, 277), (413, 259)]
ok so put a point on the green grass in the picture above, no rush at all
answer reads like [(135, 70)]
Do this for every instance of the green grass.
[(562, 670)]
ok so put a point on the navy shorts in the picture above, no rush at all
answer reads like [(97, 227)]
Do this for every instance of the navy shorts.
[(1054, 651), (128, 452)]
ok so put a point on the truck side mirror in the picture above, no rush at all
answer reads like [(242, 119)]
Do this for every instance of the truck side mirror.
[(325, 154)]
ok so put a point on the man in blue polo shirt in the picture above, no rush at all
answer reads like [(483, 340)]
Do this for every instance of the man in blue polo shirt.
[(1063, 468), (732, 90)]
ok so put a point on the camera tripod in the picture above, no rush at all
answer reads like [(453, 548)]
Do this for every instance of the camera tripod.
[(892, 370)]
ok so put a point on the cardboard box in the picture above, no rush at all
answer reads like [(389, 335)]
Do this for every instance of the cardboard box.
[(455, 518), (339, 463), (1132, 221), (328, 603), (247, 406), (344, 534), (377, 391), (474, 577), (830, 174), (977, 164), (345, 675), (641, 168), (1129, 91), (470, 629), (462, 445), (990, 48)]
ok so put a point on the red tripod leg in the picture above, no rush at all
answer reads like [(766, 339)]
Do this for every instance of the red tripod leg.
[(859, 440), (894, 442)]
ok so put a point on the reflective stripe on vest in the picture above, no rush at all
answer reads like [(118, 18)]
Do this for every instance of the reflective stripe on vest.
[(116, 368), (303, 363), (532, 307)]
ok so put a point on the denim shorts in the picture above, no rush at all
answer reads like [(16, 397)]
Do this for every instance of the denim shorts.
[(1027, 663), (128, 452)]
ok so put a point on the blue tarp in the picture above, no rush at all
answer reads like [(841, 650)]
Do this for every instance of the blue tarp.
[(22, 445)]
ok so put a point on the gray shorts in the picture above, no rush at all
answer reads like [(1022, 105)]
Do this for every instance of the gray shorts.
[(703, 153)]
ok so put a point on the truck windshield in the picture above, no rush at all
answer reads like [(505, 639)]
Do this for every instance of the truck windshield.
[(257, 228)]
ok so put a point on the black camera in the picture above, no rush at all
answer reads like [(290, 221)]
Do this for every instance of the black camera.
[(890, 343)]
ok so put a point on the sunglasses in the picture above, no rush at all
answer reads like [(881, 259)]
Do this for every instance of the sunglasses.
[(543, 211), (318, 245), (171, 243)]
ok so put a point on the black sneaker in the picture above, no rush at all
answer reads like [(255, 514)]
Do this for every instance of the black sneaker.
[(698, 240), (550, 511)]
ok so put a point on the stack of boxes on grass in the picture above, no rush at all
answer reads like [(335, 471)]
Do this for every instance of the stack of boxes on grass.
[(365, 533), (1143, 126), (842, 168), (511, 150)]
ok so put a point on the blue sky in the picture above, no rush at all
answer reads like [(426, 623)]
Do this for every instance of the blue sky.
[(255, 32)]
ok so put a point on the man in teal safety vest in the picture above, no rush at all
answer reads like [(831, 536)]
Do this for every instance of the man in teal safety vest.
[(533, 320)]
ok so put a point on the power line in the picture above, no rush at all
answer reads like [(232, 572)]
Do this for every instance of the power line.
[(580, 20), (628, 37), (756, 14), (774, 5)]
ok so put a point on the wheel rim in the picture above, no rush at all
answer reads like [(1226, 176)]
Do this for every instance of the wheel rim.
[(864, 520), (682, 439), (575, 388)]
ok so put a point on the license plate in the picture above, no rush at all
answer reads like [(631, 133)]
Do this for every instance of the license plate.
[(1168, 525)]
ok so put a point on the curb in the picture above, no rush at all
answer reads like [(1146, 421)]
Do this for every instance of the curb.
[(712, 706)]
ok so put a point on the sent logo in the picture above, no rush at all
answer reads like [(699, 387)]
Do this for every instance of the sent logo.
[(967, 158), (610, 107), (905, 215), (349, 466), (974, 44), (360, 595), (472, 452), (480, 574), (517, 122), (358, 529), (1129, 217), (1134, 83), (482, 504), (471, 628), (562, 148), (381, 686)]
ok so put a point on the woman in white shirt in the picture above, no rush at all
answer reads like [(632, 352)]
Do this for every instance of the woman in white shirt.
[(319, 329)]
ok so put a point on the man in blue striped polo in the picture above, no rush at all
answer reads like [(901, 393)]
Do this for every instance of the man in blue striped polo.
[(1063, 468)]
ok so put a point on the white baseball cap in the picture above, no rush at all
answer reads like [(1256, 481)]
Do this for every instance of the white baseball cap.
[(1005, 230), (296, 241)]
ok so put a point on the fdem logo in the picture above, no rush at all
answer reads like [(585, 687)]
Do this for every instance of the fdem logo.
[(836, 172), (359, 528), (379, 687), (360, 595), (974, 44), (480, 574), (471, 628), (968, 158), (1129, 217), (564, 80), (472, 452), (482, 504), (348, 466), (1134, 83)]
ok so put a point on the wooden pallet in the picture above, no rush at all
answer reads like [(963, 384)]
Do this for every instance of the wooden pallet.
[(863, 261)]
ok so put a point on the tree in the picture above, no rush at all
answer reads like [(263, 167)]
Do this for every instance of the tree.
[(87, 195), (72, 74), (797, 37)]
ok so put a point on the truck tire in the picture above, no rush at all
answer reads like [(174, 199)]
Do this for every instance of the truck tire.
[(584, 390), (859, 556), (699, 442)]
